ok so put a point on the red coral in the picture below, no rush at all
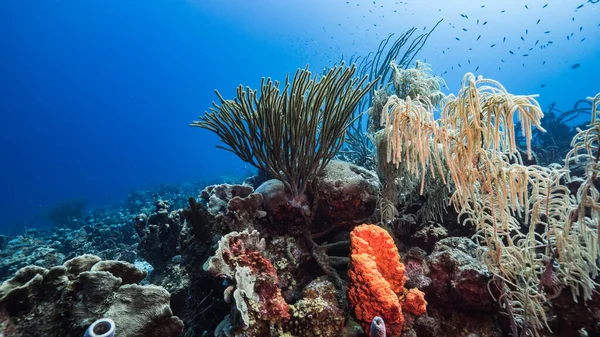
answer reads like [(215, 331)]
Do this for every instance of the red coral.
[(246, 250), (273, 307)]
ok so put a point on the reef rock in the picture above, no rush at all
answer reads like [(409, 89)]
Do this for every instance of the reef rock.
[(347, 193), (457, 290), (160, 235), (281, 215), (317, 312), (65, 300), (457, 275), (235, 207)]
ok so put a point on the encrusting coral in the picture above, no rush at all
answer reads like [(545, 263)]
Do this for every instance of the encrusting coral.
[(258, 301), (376, 280)]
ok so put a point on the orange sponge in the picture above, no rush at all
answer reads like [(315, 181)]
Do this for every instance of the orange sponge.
[(377, 242), (376, 279), (414, 302)]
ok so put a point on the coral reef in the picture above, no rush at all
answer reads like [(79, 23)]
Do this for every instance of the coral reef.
[(65, 300), (499, 246), (112, 238)]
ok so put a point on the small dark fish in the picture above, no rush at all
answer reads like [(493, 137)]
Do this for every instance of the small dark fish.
[(443, 52), (504, 39), (477, 68), (580, 28), (546, 5), (492, 46), (502, 61), (526, 31), (538, 21), (582, 40), (502, 11), (575, 66), (522, 38), (544, 63), (464, 29), (452, 67), (573, 19), (479, 37), (469, 61), (464, 16), (579, 6), (477, 21), (485, 23), (482, 6), (543, 85), (547, 32), (568, 38), (445, 72), (459, 65), (510, 51), (550, 42), (526, 7), (457, 39), (525, 55), (536, 42)]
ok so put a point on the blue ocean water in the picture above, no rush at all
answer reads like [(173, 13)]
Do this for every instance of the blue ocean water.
[(96, 96)]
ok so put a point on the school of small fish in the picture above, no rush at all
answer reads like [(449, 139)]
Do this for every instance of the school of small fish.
[(519, 49), (525, 44)]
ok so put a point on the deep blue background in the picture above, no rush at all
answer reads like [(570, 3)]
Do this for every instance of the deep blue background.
[(96, 96)]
